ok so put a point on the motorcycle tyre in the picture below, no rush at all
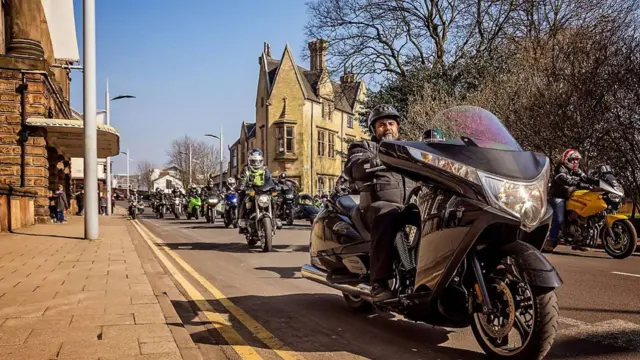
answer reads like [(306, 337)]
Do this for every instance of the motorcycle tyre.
[(633, 242), (268, 235)]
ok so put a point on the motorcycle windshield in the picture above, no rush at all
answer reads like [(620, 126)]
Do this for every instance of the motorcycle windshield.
[(476, 123)]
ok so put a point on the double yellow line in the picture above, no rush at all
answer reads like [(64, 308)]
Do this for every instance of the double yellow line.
[(222, 324)]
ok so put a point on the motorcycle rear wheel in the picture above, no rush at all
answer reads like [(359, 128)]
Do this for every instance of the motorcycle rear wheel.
[(631, 243)]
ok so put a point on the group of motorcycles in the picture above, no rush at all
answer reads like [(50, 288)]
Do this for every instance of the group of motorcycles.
[(267, 208), (195, 206), (467, 250)]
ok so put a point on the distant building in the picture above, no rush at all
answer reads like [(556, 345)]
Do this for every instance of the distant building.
[(166, 179), (304, 120)]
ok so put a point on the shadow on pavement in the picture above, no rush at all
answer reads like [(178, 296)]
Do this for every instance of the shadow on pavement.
[(46, 235), (284, 272), (596, 345), (208, 226), (322, 323), (234, 247)]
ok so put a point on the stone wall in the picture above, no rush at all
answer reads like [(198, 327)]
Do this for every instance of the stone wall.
[(43, 98), (17, 208)]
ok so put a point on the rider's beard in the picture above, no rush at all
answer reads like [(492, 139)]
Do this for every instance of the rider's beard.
[(388, 135)]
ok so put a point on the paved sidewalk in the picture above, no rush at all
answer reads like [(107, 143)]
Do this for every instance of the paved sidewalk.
[(62, 297)]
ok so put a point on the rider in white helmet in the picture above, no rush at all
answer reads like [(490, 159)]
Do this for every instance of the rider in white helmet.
[(253, 174)]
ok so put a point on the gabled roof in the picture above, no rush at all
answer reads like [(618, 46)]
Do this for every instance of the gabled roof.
[(345, 94), (250, 130)]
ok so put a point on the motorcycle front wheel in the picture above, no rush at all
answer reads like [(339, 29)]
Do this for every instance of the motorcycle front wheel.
[(625, 241), (267, 228), (290, 217), (525, 325)]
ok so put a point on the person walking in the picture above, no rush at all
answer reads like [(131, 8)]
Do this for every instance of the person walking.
[(61, 204)]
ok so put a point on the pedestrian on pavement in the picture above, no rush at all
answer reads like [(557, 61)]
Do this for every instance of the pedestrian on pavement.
[(61, 204), (80, 200), (103, 202)]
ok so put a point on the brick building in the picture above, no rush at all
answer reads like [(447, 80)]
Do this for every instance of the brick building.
[(38, 132)]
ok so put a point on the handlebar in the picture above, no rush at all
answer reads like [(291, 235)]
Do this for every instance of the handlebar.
[(378, 168)]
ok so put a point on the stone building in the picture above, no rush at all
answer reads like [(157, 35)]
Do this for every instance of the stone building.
[(38, 132), (304, 120)]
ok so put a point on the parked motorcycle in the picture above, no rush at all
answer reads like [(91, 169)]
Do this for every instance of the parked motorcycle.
[(591, 218), (230, 215), (211, 203), (467, 249), (259, 219), (193, 210)]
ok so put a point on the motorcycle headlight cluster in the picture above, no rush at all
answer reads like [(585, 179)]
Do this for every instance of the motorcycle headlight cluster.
[(616, 197), (526, 201), (289, 196), (264, 200)]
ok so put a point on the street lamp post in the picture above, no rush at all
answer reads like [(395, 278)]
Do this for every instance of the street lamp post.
[(221, 153), (190, 172), (128, 183), (91, 225), (107, 101)]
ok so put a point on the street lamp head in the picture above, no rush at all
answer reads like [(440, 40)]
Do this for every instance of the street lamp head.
[(212, 135), (123, 96), (123, 153)]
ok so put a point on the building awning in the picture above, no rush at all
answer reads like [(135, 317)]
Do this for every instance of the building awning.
[(62, 27), (67, 135)]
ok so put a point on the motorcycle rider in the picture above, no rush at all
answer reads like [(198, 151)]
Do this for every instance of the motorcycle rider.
[(159, 198), (382, 194), (230, 185), (193, 191), (567, 175), (207, 191), (253, 174)]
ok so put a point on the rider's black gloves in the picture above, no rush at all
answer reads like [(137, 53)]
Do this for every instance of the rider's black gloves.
[(375, 162)]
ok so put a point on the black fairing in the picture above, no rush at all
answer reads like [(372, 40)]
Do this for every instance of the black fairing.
[(508, 164)]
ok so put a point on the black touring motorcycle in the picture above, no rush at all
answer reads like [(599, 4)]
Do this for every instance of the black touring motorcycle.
[(467, 249)]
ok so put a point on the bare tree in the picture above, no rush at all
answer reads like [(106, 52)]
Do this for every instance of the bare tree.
[(145, 170), (205, 159)]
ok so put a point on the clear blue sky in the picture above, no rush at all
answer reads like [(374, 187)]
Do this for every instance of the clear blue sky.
[(192, 64)]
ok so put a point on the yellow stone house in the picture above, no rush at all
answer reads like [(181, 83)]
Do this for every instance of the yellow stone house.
[(304, 120)]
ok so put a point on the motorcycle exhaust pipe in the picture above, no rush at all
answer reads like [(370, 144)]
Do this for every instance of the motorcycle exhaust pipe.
[(312, 273)]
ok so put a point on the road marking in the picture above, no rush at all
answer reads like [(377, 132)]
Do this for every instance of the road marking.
[(627, 274), (221, 324), (258, 330)]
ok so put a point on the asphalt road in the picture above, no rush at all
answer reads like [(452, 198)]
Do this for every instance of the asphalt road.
[(267, 299)]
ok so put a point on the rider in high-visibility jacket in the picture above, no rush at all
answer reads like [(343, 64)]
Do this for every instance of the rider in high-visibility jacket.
[(254, 174)]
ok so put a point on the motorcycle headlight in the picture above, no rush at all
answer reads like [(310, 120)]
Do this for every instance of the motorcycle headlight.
[(525, 200), (264, 200), (289, 196)]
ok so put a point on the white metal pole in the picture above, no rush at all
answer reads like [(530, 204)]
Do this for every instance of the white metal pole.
[(108, 174), (128, 183), (91, 225), (190, 171)]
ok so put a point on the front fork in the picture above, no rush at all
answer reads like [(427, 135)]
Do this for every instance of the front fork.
[(480, 286)]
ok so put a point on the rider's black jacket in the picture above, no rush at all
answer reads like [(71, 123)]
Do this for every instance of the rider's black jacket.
[(383, 185), (565, 180)]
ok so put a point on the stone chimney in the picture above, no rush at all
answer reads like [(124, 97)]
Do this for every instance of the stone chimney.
[(318, 52), (348, 77), (267, 50)]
